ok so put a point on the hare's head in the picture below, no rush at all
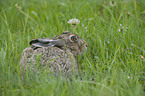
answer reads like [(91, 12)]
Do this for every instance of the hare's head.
[(66, 40)]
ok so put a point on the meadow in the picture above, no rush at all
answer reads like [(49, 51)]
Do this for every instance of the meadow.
[(113, 65)]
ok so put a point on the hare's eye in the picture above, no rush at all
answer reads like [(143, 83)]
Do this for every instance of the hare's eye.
[(73, 38)]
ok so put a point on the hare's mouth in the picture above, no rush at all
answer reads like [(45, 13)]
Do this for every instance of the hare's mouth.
[(84, 46)]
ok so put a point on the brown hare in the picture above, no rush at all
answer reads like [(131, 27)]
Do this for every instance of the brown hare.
[(56, 54)]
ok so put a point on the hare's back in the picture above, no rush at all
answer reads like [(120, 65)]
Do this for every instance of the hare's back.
[(51, 59), (53, 55)]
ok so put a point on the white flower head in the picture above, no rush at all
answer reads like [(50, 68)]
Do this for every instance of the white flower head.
[(86, 27), (16, 4), (128, 77), (74, 21), (108, 41)]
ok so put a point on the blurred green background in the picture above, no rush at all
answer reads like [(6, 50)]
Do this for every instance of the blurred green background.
[(113, 65)]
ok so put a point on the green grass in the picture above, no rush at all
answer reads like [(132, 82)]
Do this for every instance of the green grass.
[(112, 65)]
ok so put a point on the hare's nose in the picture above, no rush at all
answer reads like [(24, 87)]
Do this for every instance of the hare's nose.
[(86, 46)]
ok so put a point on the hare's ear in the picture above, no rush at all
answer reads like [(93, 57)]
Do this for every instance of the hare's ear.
[(45, 42)]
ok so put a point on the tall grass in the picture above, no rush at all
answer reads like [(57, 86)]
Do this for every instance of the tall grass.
[(113, 64)]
